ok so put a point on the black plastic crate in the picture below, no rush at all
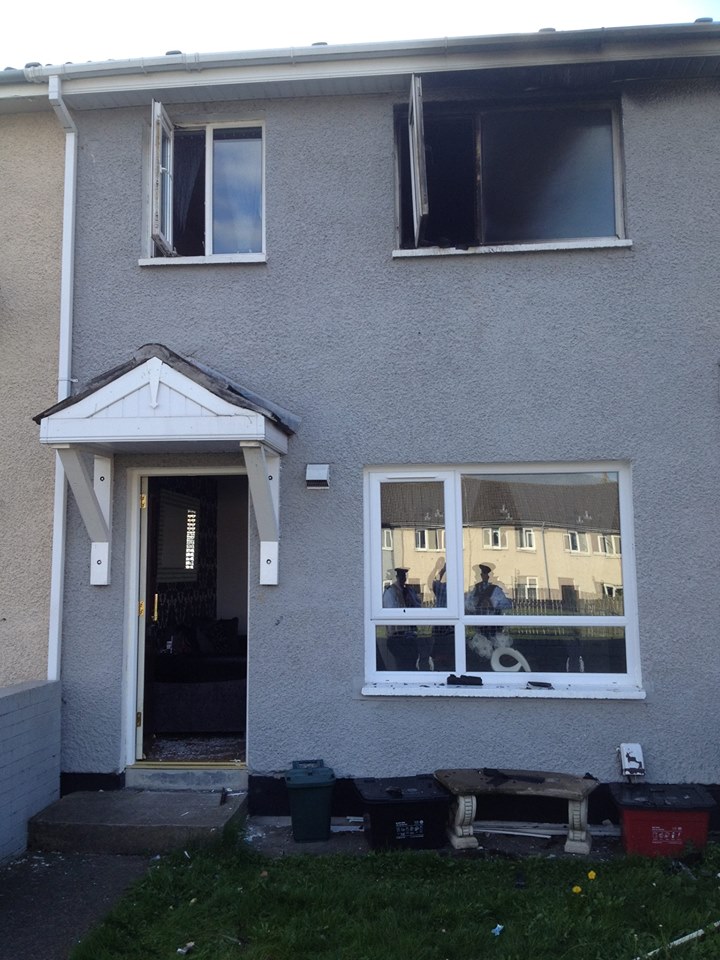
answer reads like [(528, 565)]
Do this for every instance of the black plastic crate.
[(404, 812)]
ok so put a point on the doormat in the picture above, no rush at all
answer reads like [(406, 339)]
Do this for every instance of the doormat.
[(194, 749)]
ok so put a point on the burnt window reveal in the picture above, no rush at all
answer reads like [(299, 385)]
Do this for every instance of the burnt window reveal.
[(207, 197), (481, 176)]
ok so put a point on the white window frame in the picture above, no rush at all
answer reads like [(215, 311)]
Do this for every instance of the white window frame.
[(611, 590), (609, 544), (161, 199), (161, 226), (490, 535), (529, 583), (425, 534), (577, 535), (495, 684), (526, 538), (375, 578)]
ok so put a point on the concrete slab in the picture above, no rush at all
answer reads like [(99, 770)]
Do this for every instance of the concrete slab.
[(134, 821)]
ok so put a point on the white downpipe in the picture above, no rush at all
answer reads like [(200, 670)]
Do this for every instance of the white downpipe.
[(67, 273)]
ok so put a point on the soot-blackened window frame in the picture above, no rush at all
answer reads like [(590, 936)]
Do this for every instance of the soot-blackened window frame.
[(485, 175)]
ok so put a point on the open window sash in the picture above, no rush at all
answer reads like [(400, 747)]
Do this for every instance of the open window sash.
[(418, 169), (162, 173)]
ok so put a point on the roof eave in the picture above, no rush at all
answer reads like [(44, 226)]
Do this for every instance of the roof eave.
[(517, 49)]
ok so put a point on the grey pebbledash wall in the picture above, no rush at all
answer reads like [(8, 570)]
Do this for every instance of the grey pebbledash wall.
[(550, 356), (29, 758)]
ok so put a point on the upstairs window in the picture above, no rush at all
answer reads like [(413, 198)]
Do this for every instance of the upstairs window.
[(576, 542), (477, 175), (526, 538), (207, 190), (494, 538)]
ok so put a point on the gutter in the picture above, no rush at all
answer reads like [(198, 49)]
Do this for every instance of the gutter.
[(67, 282), (10, 75), (549, 39)]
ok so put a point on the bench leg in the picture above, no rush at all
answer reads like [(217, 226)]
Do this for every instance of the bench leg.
[(462, 814), (579, 839)]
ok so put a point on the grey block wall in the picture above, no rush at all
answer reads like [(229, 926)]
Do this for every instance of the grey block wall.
[(29, 758)]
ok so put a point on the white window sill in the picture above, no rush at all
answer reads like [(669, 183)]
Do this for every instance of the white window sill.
[(597, 243), (497, 690), (187, 261)]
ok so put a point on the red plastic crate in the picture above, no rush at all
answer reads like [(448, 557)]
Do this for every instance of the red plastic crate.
[(661, 821)]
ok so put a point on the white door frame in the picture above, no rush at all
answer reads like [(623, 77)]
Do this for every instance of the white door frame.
[(133, 560)]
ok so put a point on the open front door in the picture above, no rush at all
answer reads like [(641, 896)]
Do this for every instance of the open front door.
[(192, 638)]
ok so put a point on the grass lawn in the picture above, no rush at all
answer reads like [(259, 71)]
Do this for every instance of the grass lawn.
[(233, 903)]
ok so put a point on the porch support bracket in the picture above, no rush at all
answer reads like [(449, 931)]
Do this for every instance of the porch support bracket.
[(263, 471), (93, 496)]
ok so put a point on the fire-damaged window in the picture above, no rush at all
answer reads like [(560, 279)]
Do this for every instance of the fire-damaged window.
[(474, 175), (207, 189)]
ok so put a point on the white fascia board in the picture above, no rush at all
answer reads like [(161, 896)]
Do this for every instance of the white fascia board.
[(249, 426), (106, 432)]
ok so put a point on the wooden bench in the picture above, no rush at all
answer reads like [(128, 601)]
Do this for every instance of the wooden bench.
[(467, 785)]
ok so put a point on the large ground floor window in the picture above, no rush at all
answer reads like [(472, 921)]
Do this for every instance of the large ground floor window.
[(501, 573)]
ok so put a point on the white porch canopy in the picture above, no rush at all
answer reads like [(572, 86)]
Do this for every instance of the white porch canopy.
[(161, 402)]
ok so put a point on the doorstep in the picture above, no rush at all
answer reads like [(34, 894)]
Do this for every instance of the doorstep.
[(135, 821), (164, 775)]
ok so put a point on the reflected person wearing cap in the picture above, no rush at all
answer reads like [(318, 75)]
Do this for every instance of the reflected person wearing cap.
[(398, 593), (486, 597)]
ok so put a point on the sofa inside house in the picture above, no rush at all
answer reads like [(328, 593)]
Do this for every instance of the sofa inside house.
[(196, 677)]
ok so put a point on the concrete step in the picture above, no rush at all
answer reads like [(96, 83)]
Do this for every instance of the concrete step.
[(135, 821), (164, 776)]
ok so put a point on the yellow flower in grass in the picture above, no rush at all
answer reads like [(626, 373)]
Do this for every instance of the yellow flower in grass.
[(591, 875), (577, 889)]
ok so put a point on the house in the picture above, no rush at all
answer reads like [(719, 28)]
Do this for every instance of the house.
[(31, 173), (444, 307)]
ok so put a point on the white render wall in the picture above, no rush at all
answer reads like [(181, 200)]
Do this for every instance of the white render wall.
[(569, 356), (29, 758)]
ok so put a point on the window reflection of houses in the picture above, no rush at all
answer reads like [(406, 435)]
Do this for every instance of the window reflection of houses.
[(553, 540)]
